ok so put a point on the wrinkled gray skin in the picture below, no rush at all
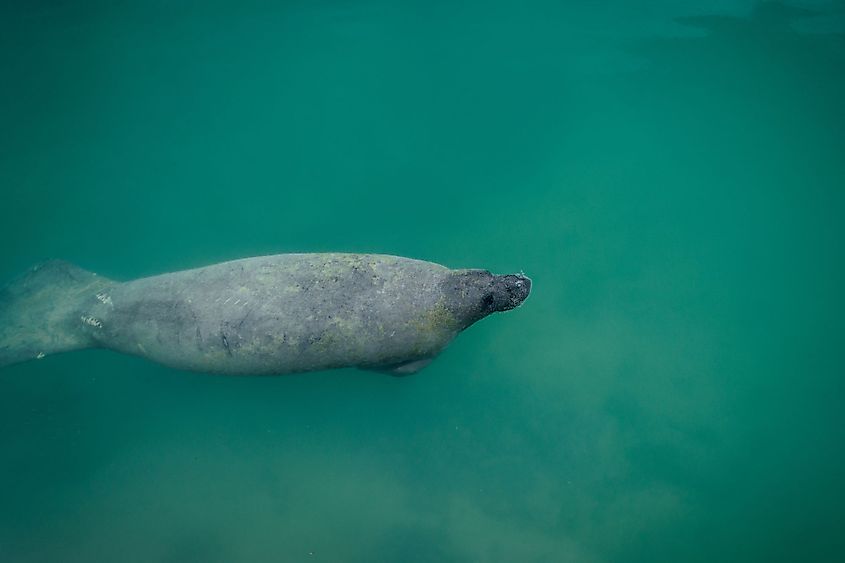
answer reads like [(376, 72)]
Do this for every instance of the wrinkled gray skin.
[(265, 315)]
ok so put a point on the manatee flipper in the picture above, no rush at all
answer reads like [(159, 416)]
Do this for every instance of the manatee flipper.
[(409, 367), (40, 311), (404, 368)]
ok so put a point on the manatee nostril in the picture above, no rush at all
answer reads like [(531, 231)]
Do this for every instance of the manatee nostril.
[(524, 285)]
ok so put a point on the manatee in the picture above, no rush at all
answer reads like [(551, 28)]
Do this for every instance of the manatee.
[(277, 314)]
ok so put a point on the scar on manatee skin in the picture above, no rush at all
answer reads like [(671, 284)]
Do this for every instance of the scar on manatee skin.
[(91, 321), (225, 343), (248, 313)]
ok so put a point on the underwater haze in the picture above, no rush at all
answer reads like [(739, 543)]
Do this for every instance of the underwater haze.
[(670, 174)]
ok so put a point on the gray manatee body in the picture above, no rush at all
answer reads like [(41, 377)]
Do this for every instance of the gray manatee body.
[(265, 315)]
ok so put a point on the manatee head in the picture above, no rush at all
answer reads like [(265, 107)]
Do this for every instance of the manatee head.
[(471, 295)]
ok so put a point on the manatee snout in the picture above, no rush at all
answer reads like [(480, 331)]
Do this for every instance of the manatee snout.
[(473, 294), (509, 291)]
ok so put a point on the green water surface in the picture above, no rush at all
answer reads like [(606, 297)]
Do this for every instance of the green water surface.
[(669, 173)]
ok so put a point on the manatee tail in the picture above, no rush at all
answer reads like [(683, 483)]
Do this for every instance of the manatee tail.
[(39, 311)]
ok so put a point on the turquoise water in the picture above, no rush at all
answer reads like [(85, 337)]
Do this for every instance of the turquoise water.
[(671, 178)]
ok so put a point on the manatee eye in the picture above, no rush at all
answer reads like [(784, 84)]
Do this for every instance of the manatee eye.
[(487, 300)]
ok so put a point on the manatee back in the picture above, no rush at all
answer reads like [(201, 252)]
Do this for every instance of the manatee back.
[(284, 313)]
